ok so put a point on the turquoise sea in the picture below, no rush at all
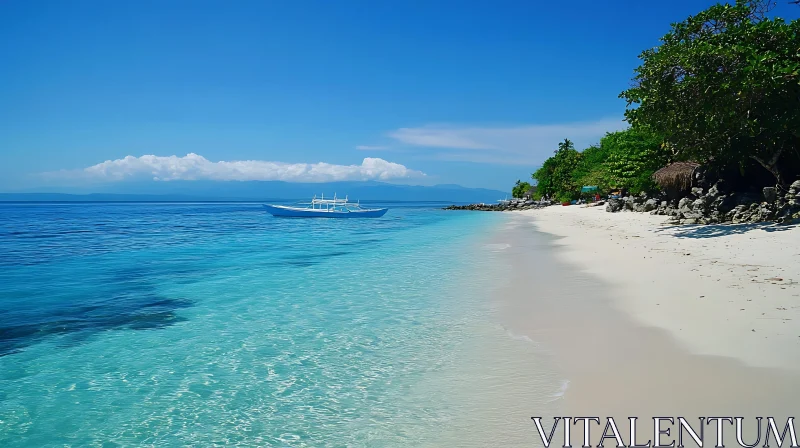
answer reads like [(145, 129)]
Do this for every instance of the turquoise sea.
[(219, 325)]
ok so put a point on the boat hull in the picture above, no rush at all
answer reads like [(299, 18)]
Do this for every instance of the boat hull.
[(290, 212)]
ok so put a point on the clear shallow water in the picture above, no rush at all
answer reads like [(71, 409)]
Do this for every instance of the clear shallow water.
[(204, 324)]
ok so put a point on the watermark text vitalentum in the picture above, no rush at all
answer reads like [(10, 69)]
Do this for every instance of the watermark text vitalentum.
[(670, 432)]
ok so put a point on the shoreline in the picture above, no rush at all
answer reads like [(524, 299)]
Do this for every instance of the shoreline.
[(725, 290), (592, 308)]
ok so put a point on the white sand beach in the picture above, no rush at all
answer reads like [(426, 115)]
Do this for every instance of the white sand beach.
[(646, 320), (726, 290)]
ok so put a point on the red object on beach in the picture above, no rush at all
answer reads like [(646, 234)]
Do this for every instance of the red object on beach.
[(565, 203)]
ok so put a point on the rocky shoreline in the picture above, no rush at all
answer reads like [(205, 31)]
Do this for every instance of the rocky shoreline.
[(717, 205), (714, 205), (513, 204)]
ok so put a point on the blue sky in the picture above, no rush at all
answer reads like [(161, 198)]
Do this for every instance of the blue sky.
[(473, 93)]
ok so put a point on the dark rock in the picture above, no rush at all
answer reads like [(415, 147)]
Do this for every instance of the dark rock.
[(747, 199), (513, 205), (700, 204), (770, 194), (733, 213), (789, 214), (723, 204), (650, 205), (764, 213), (627, 203), (718, 188), (715, 217), (614, 205), (793, 194), (750, 213), (684, 206)]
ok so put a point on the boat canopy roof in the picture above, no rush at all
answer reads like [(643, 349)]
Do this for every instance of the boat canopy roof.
[(333, 201)]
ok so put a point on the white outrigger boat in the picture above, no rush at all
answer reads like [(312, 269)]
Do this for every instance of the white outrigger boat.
[(326, 208)]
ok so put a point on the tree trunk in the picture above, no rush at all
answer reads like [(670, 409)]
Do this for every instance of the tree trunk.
[(771, 165)]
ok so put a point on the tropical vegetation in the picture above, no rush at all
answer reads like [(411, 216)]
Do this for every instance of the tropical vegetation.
[(722, 90), (520, 188), (624, 160)]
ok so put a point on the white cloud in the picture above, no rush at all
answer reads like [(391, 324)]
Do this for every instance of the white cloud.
[(515, 145), (371, 148), (196, 167)]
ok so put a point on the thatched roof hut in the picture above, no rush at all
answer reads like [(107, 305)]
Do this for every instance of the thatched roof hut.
[(676, 176)]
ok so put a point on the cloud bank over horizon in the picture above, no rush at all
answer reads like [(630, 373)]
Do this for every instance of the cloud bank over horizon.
[(196, 167), (509, 145)]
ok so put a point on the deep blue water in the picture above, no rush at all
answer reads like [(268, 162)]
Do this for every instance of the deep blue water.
[(202, 324)]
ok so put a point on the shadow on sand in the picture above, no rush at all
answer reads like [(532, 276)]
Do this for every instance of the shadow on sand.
[(715, 230)]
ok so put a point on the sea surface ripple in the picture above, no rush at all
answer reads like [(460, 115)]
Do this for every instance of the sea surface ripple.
[(217, 324)]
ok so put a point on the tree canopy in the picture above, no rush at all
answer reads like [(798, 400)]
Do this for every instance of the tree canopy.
[(555, 177), (633, 156), (625, 159), (520, 188), (724, 87), (722, 90)]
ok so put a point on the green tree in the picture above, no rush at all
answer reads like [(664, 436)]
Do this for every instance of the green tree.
[(556, 176), (723, 87), (592, 169), (520, 188), (633, 155)]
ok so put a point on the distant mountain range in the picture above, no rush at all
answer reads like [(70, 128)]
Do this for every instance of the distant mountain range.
[(261, 191)]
